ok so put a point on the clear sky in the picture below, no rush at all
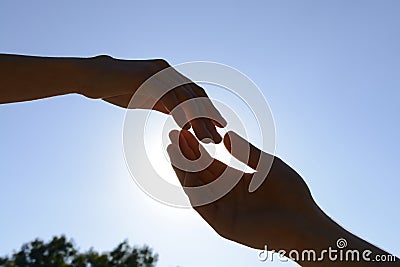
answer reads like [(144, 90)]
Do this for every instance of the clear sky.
[(329, 70)]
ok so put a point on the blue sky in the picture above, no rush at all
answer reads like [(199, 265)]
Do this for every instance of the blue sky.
[(329, 70)]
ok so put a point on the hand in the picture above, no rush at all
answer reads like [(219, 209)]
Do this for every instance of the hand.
[(116, 81), (26, 78), (280, 214), (275, 214)]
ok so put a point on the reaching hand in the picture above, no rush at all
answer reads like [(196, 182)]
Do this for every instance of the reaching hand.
[(124, 77), (115, 81), (279, 215), (275, 214)]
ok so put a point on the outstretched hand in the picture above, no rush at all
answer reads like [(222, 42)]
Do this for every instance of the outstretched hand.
[(279, 215), (116, 81), (275, 214), (127, 77)]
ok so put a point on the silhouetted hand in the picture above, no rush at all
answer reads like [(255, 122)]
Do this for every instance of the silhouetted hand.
[(27, 78), (279, 215), (118, 80), (275, 214)]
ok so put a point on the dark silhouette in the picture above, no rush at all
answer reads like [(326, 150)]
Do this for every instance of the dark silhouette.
[(60, 252), (281, 213), (113, 80)]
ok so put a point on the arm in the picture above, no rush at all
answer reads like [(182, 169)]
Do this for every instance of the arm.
[(25, 78), (280, 215), (326, 234)]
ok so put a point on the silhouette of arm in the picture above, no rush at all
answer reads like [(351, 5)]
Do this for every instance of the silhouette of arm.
[(281, 214), (25, 78)]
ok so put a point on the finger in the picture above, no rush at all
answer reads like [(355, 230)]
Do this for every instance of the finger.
[(190, 148), (238, 146), (187, 179), (216, 168), (186, 149), (190, 182), (201, 130), (182, 114), (205, 130), (189, 145), (191, 142), (195, 146), (255, 158), (186, 126), (216, 116), (193, 111), (174, 136), (205, 119), (186, 156), (174, 75), (216, 123), (172, 103)]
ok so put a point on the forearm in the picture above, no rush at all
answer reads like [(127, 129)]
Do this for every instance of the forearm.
[(26, 78), (335, 246)]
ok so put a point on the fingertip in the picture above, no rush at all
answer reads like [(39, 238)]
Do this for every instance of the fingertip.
[(207, 141), (186, 126), (222, 122), (227, 141), (219, 124), (173, 136), (217, 137), (199, 133), (207, 132), (217, 118)]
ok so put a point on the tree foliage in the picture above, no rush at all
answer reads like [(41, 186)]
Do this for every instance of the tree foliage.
[(60, 252)]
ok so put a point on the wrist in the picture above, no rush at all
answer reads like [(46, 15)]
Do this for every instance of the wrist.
[(93, 76), (335, 246), (104, 76)]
